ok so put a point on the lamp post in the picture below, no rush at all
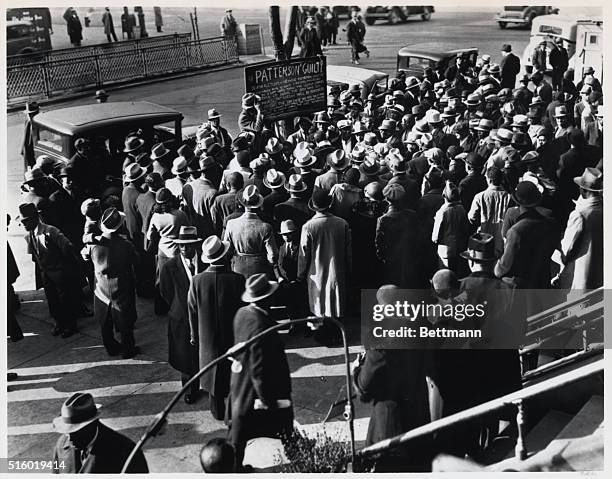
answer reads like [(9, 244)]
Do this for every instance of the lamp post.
[(316, 322)]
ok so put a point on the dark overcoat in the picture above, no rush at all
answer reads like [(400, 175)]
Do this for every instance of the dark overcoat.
[(174, 288), (213, 299), (108, 453)]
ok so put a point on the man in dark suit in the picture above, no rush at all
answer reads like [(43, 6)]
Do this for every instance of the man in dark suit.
[(354, 37), (275, 181), (394, 380), (114, 260), (225, 204), (27, 147), (65, 205), (88, 446), (510, 66), (260, 387), (296, 207), (174, 282), (213, 299), (526, 259), (58, 268)]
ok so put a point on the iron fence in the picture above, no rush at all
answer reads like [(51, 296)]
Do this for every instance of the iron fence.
[(82, 52), (46, 78)]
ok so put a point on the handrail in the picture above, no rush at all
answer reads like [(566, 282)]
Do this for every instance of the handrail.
[(565, 305), (489, 406)]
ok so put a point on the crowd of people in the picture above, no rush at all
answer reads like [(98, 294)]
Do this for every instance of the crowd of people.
[(462, 179)]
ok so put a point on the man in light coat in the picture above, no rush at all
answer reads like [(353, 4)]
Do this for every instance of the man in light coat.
[(324, 261), (582, 243)]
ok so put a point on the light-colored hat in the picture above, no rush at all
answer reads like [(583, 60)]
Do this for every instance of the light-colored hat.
[(187, 235), (295, 184), (274, 179), (274, 146), (159, 151), (338, 160), (213, 113), (251, 198), (213, 249), (591, 180), (179, 166), (287, 226), (433, 116)]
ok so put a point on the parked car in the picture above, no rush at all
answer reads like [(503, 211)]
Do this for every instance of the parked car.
[(396, 15), (340, 10), (414, 61), (522, 15), (55, 131), (20, 38), (370, 81)]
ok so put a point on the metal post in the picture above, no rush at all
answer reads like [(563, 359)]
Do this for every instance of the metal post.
[(520, 450), (98, 72)]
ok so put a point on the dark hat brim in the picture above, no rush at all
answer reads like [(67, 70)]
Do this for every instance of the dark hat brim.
[(468, 256), (249, 298), (142, 173), (65, 428), (524, 204), (314, 207)]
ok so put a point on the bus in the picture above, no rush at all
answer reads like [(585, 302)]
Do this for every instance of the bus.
[(28, 30)]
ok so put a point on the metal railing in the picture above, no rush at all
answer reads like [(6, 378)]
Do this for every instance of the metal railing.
[(81, 52), (107, 66), (515, 398)]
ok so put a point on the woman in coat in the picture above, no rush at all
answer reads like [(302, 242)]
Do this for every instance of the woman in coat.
[(164, 227), (174, 281)]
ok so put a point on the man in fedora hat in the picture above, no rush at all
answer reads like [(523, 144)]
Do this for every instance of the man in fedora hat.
[(303, 132), (296, 207), (114, 259), (510, 66), (525, 260), (181, 173), (86, 166), (582, 243), (27, 146), (397, 240), (161, 157), (275, 182), (213, 299), (88, 446), (199, 196), (133, 146), (58, 269), (225, 204), (134, 176), (337, 161), (174, 281), (251, 117), (65, 208), (260, 387), (259, 166), (252, 240), (324, 262), (219, 133), (36, 186)]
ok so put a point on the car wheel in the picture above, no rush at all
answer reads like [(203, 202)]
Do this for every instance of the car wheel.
[(395, 16), (502, 25), (370, 20), (426, 15)]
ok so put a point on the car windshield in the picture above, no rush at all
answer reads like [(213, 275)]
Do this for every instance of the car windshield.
[(514, 8)]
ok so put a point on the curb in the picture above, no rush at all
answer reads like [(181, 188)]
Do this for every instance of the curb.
[(85, 93)]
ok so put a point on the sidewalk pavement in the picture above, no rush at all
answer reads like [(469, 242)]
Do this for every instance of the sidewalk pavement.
[(132, 391)]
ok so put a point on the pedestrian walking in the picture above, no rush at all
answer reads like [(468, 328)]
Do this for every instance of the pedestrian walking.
[(74, 27), (88, 446), (355, 32), (310, 40), (109, 27), (175, 280), (159, 21)]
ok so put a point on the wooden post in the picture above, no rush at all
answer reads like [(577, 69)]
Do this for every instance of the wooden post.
[(277, 35), (520, 450)]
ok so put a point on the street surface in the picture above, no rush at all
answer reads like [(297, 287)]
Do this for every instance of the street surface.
[(133, 391)]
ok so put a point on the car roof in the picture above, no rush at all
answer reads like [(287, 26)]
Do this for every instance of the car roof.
[(78, 119), (433, 53), (353, 75)]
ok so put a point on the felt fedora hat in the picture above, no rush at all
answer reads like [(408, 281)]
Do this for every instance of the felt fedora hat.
[(132, 143), (295, 184), (34, 175), (274, 179), (591, 180), (433, 116), (484, 125), (134, 172), (187, 234), (112, 219), (560, 111), (320, 200), (257, 287), (274, 146), (213, 113), (78, 411), (527, 194), (503, 135), (179, 166), (163, 196), (160, 151), (27, 211), (481, 248), (338, 160), (369, 167), (213, 249), (251, 198), (287, 226)]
